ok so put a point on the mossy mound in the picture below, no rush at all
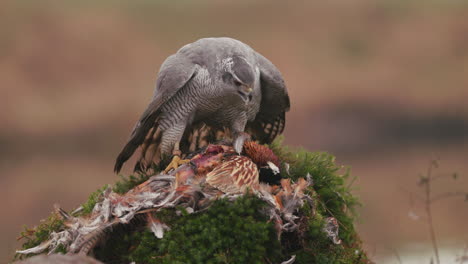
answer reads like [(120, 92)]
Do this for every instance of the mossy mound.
[(238, 231)]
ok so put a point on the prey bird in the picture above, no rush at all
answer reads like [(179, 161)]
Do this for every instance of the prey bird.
[(210, 88), (214, 172)]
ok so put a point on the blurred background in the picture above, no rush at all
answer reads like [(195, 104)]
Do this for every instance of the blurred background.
[(383, 85)]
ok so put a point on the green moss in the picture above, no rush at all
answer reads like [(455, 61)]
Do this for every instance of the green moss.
[(330, 185), (229, 232), (236, 232), (92, 200), (119, 245), (332, 195), (33, 237)]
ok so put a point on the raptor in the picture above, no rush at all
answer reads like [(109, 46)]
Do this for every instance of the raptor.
[(211, 88)]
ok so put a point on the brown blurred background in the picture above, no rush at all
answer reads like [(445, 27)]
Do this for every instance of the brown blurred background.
[(383, 85)]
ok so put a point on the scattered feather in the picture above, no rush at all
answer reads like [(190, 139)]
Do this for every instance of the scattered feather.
[(290, 261), (211, 175), (286, 168), (331, 229)]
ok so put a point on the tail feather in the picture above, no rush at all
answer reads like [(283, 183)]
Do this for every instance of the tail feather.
[(137, 137)]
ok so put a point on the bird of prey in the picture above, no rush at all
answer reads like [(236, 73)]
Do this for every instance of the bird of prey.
[(211, 87)]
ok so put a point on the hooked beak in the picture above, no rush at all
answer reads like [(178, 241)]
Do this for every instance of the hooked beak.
[(247, 89), (246, 93)]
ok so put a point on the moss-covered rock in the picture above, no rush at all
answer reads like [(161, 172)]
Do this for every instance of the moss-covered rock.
[(237, 231)]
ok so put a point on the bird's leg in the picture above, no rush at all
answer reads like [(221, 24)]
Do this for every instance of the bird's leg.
[(176, 160)]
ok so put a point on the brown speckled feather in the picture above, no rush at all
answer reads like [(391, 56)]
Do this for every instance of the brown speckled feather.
[(235, 174)]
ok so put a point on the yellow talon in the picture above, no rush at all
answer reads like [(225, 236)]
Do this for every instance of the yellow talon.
[(175, 163)]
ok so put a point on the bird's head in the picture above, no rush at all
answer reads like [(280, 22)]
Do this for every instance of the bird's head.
[(261, 155), (239, 76), (267, 162)]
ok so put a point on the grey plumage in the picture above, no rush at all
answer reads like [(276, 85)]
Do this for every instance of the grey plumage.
[(211, 85)]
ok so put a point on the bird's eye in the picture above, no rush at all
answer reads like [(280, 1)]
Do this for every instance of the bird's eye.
[(237, 83)]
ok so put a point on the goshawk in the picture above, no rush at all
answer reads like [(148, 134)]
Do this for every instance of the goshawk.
[(211, 87)]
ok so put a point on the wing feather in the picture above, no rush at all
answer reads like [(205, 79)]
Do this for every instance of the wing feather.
[(270, 120), (175, 72)]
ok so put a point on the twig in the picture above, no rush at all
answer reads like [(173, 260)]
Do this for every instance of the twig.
[(427, 184), (428, 199), (445, 176), (447, 195)]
